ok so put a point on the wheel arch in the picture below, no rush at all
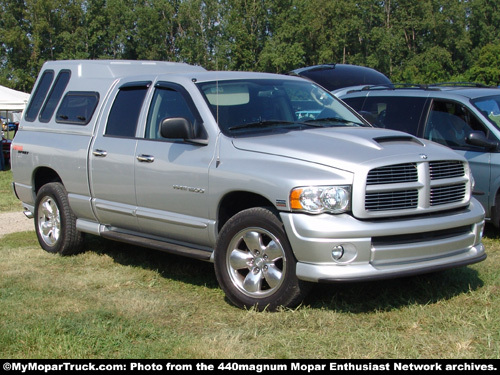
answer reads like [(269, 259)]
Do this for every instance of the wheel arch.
[(237, 201), (43, 176)]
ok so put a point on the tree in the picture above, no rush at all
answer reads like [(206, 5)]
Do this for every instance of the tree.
[(245, 30), (486, 68), (200, 32), (15, 29)]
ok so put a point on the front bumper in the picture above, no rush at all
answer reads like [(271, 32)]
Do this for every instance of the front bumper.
[(378, 249)]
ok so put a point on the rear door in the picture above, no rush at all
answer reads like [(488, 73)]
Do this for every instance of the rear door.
[(112, 158)]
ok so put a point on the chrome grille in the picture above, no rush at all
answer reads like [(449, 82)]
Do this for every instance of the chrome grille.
[(393, 174), (392, 200), (447, 194), (410, 188), (445, 169)]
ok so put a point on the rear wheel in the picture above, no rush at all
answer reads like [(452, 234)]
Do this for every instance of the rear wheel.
[(254, 262), (55, 223)]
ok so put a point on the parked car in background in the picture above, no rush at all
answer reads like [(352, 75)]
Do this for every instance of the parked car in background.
[(336, 77), (464, 117)]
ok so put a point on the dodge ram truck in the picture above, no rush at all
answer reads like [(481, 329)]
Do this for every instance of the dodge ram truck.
[(269, 177)]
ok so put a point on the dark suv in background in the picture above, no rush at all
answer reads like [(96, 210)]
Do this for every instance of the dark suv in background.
[(336, 77), (464, 117)]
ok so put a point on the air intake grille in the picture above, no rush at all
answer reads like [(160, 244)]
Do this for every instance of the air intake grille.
[(447, 194), (393, 200), (393, 174), (445, 169)]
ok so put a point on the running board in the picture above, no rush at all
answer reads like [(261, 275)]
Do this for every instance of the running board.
[(157, 245)]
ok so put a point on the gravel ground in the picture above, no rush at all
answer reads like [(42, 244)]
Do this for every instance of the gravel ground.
[(15, 222)]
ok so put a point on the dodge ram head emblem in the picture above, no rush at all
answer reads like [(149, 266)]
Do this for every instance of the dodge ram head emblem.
[(423, 156)]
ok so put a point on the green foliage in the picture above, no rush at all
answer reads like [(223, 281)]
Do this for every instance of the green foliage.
[(8, 201), (408, 40), (486, 69)]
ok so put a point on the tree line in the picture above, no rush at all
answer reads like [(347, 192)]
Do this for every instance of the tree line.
[(417, 41)]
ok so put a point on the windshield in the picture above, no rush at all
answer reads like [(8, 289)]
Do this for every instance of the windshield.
[(490, 107), (263, 105)]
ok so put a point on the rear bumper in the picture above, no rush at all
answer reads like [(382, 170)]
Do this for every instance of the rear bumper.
[(379, 249)]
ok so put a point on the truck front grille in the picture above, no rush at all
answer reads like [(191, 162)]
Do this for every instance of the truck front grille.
[(392, 200), (415, 187), (445, 169), (392, 174), (447, 194)]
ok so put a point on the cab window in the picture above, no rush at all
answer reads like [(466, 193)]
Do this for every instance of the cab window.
[(450, 124), (169, 101), (124, 115)]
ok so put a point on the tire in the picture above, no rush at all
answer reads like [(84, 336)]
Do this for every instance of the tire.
[(55, 223), (254, 263)]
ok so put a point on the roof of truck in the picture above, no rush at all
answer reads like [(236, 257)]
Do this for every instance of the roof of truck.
[(120, 68)]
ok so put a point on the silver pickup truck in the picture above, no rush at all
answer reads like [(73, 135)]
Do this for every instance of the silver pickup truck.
[(269, 177)]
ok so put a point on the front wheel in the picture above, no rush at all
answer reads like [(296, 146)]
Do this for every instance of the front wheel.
[(55, 223), (254, 262)]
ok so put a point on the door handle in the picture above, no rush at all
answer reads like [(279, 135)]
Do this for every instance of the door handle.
[(100, 153), (146, 158)]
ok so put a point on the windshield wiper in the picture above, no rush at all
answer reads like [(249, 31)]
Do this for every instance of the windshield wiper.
[(334, 120), (261, 124)]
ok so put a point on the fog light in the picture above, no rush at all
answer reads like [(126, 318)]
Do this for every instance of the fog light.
[(338, 252)]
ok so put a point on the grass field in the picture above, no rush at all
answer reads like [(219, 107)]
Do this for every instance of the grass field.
[(117, 301)]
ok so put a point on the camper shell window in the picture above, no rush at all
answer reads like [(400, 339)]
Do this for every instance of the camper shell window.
[(39, 96), (77, 107)]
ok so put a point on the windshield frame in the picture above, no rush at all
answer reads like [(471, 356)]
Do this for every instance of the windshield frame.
[(241, 113)]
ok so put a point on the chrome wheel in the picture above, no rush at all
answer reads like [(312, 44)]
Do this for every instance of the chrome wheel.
[(256, 262), (49, 221)]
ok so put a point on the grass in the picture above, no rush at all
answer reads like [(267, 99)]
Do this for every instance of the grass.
[(8, 201), (118, 301)]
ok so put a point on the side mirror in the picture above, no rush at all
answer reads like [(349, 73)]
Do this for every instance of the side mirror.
[(478, 138), (177, 128), (181, 128)]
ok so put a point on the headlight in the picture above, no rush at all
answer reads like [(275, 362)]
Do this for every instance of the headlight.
[(319, 199)]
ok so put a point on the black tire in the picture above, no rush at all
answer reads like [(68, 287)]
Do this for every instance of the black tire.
[(55, 223), (254, 262)]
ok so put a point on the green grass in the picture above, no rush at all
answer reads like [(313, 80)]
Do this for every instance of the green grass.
[(118, 301), (8, 201)]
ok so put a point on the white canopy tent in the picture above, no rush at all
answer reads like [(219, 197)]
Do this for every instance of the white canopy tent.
[(12, 103)]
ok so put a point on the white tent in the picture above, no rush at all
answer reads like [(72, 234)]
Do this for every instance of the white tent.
[(12, 101)]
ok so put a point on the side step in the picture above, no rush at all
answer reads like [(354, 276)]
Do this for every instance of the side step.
[(157, 245)]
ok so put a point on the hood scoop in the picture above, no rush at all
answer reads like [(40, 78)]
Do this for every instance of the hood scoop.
[(397, 139)]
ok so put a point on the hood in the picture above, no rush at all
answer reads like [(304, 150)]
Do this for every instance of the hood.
[(347, 148)]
